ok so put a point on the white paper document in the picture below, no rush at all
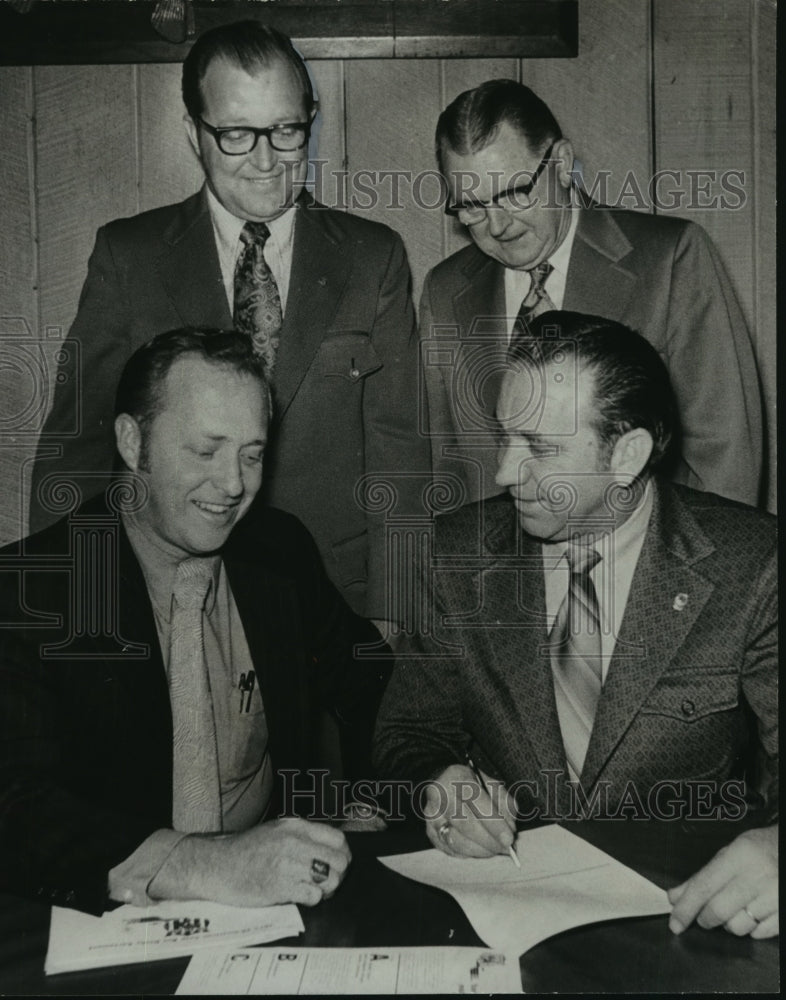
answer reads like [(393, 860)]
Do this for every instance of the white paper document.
[(348, 971), (166, 930), (563, 882)]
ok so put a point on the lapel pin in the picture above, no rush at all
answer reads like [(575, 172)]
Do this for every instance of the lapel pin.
[(680, 602), (322, 282)]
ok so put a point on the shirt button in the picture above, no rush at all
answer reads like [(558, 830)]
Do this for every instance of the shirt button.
[(354, 373), (688, 708)]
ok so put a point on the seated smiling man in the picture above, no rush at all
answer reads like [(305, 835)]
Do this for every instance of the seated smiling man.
[(159, 659), (602, 642)]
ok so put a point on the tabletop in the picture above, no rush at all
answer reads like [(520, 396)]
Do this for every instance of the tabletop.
[(376, 907)]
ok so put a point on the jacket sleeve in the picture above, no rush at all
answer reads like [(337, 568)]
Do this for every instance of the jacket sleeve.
[(714, 374), (395, 420), (55, 844), (78, 434)]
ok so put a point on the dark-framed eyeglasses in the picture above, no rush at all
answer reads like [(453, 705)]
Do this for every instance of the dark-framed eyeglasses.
[(237, 140), (513, 199)]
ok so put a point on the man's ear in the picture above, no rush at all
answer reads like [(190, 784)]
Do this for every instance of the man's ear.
[(192, 131), (631, 453), (128, 437), (563, 154)]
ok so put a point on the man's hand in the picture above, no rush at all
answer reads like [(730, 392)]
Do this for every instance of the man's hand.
[(738, 888), (462, 820), (270, 863)]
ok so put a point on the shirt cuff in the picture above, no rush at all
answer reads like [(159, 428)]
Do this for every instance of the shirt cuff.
[(130, 880)]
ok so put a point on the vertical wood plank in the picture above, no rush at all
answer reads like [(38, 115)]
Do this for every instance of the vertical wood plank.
[(601, 99), (765, 196), (168, 168), (459, 75), (328, 149), (391, 110), (703, 121), (86, 153), (22, 380)]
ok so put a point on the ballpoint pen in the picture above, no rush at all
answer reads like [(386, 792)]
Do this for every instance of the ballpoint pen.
[(481, 781)]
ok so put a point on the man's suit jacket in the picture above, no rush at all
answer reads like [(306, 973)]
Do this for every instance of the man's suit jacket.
[(660, 276), (691, 691), (345, 382), (85, 719)]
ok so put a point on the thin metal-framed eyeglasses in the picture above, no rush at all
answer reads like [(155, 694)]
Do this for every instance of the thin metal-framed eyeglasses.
[(237, 140), (513, 199)]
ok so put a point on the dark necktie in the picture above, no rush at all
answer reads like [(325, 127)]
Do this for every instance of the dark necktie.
[(576, 663), (196, 794), (257, 310), (537, 300)]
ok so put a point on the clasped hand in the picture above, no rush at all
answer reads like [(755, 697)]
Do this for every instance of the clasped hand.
[(465, 821)]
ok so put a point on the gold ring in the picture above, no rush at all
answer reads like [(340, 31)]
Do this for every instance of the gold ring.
[(756, 920), (443, 832)]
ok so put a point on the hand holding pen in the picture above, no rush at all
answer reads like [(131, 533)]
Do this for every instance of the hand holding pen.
[(470, 814)]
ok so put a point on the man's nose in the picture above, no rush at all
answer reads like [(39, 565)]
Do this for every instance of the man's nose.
[(263, 155), (229, 477), (511, 466), (497, 220)]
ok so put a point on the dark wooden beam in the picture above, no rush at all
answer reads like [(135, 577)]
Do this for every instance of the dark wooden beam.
[(75, 32)]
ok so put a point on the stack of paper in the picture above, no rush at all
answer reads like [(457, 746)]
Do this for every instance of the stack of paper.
[(563, 882), (144, 934)]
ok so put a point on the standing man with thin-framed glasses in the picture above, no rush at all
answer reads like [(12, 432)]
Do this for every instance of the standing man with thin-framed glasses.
[(540, 242), (323, 295)]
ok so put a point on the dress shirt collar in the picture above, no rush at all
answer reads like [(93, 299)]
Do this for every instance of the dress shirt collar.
[(625, 539), (228, 227), (159, 568)]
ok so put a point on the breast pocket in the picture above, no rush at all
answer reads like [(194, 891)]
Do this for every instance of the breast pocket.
[(691, 697), (348, 355)]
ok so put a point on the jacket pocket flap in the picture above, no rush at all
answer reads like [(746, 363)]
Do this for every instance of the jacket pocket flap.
[(689, 697), (349, 355)]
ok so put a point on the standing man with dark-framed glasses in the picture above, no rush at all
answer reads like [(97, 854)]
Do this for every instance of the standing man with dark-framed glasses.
[(540, 242), (324, 296)]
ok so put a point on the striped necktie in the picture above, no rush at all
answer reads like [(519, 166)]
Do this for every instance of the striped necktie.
[(575, 645), (257, 308), (196, 794)]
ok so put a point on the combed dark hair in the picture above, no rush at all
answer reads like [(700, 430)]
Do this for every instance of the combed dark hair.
[(140, 391), (632, 385), (248, 44), (471, 121)]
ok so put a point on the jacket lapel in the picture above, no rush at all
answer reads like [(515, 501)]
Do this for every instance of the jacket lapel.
[(516, 595), (321, 266), (598, 281), (189, 267), (654, 625)]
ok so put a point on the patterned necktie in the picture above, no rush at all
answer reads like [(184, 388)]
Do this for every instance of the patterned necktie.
[(257, 310), (537, 300), (196, 795), (576, 655)]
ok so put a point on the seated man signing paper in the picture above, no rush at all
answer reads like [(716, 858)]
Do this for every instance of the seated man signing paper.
[(159, 659), (602, 642)]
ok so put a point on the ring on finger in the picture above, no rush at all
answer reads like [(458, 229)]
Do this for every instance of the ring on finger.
[(444, 832), (320, 871), (756, 920)]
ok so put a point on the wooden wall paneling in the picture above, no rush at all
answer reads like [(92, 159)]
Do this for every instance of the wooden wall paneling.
[(328, 147), (86, 152), (459, 75), (22, 372), (765, 190), (168, 168), (391, 110), (601, 99), (703, 120)]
